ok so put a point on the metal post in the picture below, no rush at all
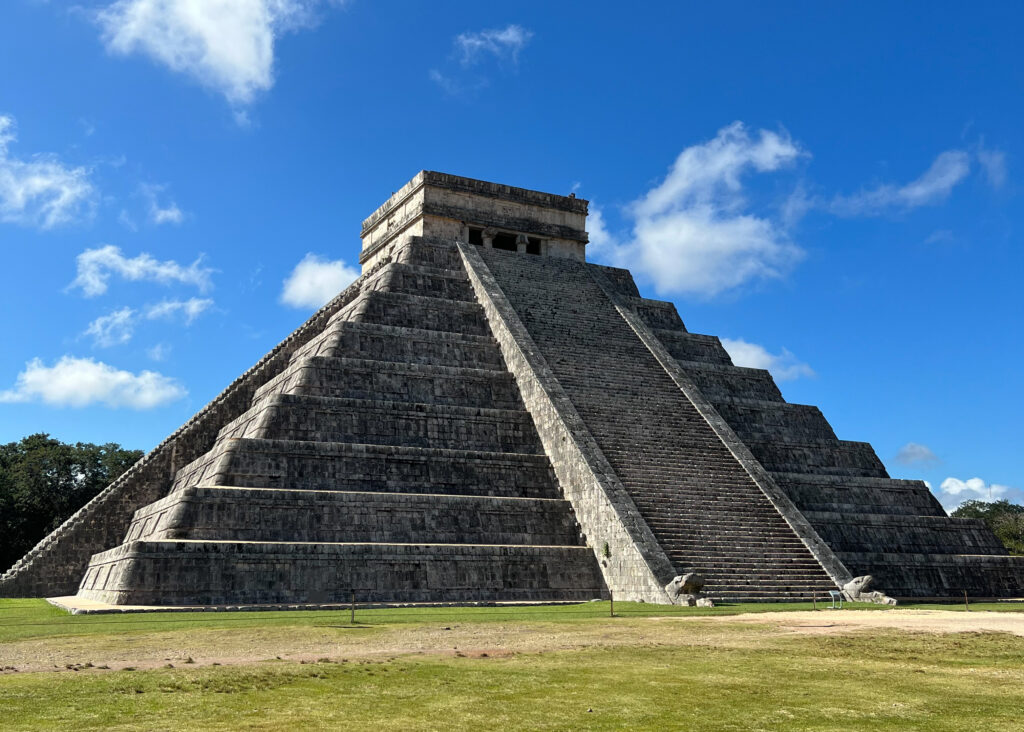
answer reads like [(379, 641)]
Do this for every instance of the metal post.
[(966, 604), (352, 621), (611, 604)]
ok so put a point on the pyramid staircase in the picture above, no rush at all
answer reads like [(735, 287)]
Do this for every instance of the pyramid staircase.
[(393, 459), (707, 513)]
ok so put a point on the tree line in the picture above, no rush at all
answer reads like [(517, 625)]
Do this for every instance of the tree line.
[(43, 481)]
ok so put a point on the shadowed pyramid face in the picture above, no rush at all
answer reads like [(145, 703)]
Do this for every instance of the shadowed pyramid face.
[(452, 208)]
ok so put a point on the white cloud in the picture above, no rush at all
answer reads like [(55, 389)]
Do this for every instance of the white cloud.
[(692, 233), (503, 44), (190, 309), (40, 191), (81, 382), (993, 163), (227, 45), (784, 366), (600, 240), (95, 266), (113, 329), (161, 214), (954, 491), (914, 452), (314, 281), (933, 186)]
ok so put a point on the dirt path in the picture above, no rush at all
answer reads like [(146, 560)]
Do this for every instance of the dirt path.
[(921, 621), (206, 647)]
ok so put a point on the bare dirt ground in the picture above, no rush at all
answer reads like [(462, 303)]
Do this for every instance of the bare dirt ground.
[(919, 621), (205, 647)]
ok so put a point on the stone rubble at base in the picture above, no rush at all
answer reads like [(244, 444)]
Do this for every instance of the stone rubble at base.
[(485, 417)]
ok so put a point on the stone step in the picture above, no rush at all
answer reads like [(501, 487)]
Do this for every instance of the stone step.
[(816, 492), (416, 311), (721, 524), (657, 314), (839, 457), (719, 382), (429, 252), (765, 582), (713, 541), (341, 466), (426, 281), (260, 514), (691, 347), (750, 596), (920, 575), (777, 421), (327, 419), (216, 573), (354, 378), (744, 565), (865, 532), (392, 344)]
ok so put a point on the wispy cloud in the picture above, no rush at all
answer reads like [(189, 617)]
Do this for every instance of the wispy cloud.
[(166, 213), (784, 366), (914, 453), (314, 281), (503, 44), (40, 191), (693, 233), (112, 329), (227, 45), (159, 352), (96, 266), (118, 327), (81, 382), (933, 186), (473, 49), (993, 163), (188, 309)]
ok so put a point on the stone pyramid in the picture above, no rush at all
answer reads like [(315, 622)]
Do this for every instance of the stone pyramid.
[(483, 416)]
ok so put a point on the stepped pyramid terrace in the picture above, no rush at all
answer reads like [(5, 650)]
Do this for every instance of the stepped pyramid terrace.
[(484, 416)]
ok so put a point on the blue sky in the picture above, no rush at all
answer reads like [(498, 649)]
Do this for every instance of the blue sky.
[(836, 191)]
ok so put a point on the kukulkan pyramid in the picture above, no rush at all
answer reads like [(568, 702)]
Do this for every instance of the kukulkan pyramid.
[(483, 416)]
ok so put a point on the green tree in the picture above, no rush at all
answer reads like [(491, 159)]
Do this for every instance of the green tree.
[(43, 481), (1004, 518)]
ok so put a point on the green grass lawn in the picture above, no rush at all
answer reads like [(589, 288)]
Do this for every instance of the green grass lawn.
[(32, 618), (29, 618), (553, 668)]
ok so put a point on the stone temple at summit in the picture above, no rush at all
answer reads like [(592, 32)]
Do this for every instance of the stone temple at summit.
[(484, 416)]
